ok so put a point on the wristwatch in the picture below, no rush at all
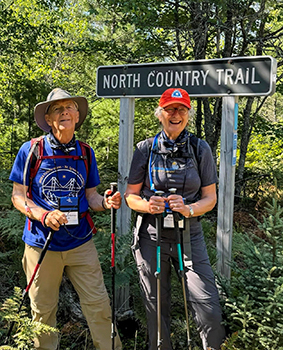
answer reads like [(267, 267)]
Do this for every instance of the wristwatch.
[(191, 212)]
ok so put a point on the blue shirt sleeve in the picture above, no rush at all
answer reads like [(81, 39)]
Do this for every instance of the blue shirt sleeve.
[(17, 172)]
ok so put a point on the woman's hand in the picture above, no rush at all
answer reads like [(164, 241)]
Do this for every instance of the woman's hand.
[(202, 206), (156, 205), (176, 203)]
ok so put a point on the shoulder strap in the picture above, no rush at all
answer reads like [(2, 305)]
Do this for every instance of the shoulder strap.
[(147, 149), (36, 158), (195, 143), (86, 153), (37, 154), (152, 141)]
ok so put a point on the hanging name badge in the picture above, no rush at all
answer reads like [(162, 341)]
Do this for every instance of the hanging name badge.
[(70, 206), (168, 221)]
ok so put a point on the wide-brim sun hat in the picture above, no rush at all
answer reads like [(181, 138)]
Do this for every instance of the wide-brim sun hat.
[(175, 95), (56, 95)]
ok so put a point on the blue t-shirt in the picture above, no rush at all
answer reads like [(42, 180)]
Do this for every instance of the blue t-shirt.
[(56, 180)]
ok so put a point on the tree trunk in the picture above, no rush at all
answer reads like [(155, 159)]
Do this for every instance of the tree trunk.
[(198, 121), (228, 31), (212, 125), (245, 138)]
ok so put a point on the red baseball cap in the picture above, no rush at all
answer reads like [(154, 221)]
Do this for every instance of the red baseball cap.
[(175, 96)]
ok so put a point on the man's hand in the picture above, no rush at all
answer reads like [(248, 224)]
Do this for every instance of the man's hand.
[(54, 219), (112, 201)]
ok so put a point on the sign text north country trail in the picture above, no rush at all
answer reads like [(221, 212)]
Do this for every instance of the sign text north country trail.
[(239, 76)]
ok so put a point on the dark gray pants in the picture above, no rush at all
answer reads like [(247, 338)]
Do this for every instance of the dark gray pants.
[(202, 294)]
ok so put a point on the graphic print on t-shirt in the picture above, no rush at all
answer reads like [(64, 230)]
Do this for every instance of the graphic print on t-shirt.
[(59, 183)]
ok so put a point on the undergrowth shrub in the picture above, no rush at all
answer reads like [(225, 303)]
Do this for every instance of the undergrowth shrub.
[(26, 329), (11, 244), (254, 298)]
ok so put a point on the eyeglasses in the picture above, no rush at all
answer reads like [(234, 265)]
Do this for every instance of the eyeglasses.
[(171, 110)]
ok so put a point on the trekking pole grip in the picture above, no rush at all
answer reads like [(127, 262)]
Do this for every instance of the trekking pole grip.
[(113, 187), (172, 190), (159, 193)]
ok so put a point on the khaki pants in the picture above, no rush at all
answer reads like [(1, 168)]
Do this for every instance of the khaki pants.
[(82, 267)]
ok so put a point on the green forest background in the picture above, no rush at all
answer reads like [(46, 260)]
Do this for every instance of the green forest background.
[(46, 44)]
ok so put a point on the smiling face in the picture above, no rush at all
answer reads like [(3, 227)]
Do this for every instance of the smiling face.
[(62, 116), (174, 118)]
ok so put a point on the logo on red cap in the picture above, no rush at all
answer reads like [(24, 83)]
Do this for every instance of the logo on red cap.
[(177, 94)]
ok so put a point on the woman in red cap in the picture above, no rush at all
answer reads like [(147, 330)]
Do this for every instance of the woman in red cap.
[(175, 159)]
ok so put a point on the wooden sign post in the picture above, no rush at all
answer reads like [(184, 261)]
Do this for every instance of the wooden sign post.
[(228, 149), (126, 140)]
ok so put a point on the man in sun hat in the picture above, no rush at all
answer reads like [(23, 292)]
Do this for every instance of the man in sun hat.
[(58, 94), (56, 195)]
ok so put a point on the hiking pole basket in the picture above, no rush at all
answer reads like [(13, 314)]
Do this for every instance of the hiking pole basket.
[(26, 290)]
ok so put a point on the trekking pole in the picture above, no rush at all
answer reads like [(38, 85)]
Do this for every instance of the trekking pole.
[(158, 272), (113, 227), (181, 266), (42, 254)]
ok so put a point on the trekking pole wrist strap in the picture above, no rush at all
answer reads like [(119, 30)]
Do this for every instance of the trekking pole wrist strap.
[(103, 204), (43, 218)]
